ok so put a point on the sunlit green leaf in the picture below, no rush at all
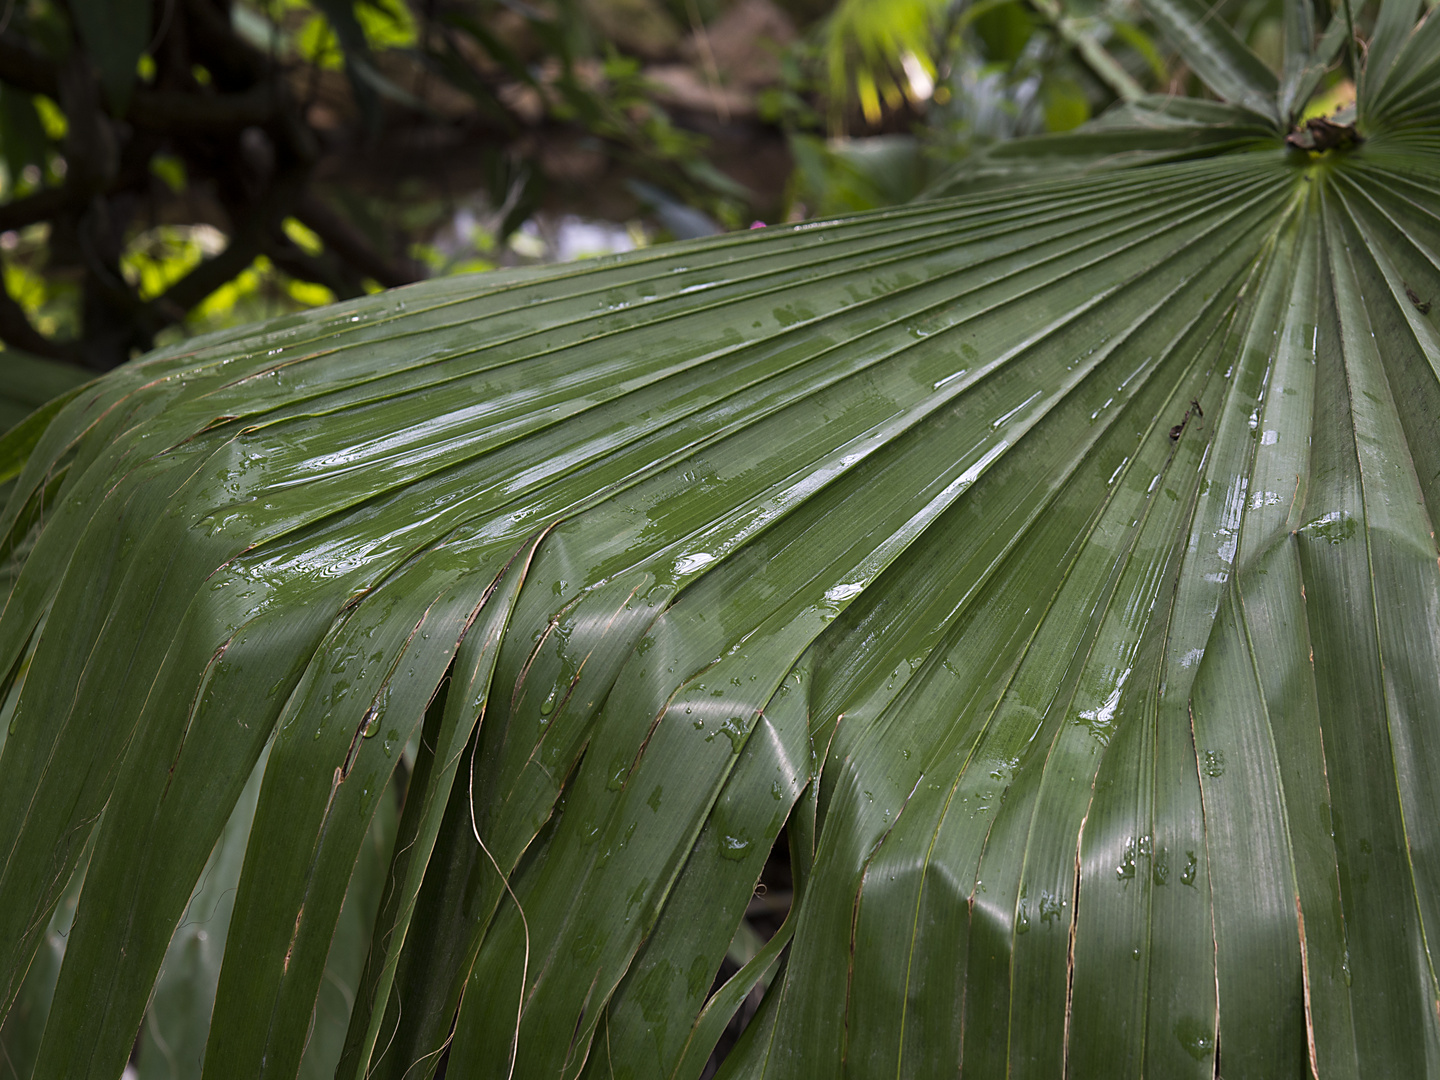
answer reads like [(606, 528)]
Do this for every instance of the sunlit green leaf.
[(1066, 106)]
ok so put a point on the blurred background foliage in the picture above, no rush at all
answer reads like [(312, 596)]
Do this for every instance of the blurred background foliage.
[(175, 166)]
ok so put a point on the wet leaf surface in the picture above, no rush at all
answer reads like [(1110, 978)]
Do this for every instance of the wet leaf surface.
[(1054, 566)]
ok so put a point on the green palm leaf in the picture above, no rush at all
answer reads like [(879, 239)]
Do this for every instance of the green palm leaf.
[(1053, 565)]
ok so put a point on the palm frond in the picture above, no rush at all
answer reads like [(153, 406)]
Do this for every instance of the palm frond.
[(1054, 566)]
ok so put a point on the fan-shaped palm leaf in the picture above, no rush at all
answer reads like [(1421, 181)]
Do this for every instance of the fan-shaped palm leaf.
[(1055, 564)]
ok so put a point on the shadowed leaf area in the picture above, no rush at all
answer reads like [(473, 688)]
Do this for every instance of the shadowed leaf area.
[(1049, 568)]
